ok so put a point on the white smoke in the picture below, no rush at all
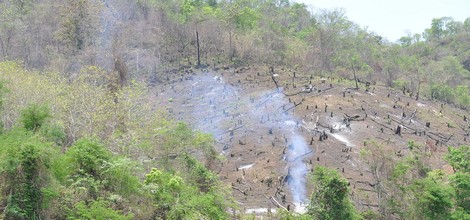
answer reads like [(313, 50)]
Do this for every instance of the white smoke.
[(297, 147), (223, 106), (297, 168)]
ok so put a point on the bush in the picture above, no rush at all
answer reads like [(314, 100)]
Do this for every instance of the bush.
[(400, 84), (54, 133), (34, 116), (434, 197), (176, 199), (24, 171), (459, 158), (99, 209), (461, 96), (87, 157), (330, 197), (442, 92)]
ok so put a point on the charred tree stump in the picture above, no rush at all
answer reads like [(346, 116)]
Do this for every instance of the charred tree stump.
[(398, 130)]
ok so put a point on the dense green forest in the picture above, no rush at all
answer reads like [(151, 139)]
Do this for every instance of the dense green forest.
[(80, 138)]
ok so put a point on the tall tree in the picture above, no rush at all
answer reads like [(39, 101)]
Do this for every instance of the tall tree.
[(79, 26)]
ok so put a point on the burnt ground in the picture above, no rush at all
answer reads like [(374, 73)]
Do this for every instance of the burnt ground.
[(259, 127)]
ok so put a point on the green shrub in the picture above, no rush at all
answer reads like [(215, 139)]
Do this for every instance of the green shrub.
[(400, 84), (99, 209), (54, 133), (434, 198), (176, 199), (330, 197), (24, 170), (442, 92), (459, 158), (462, 96), (87, 157), (34, 116), (461, 183)]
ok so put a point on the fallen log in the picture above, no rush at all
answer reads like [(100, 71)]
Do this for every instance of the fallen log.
[(370, 205), (294, 94), (292, 160), (290, 108), (382, 124), (353, 118), (275, 202), (238, 189), (231, 130)]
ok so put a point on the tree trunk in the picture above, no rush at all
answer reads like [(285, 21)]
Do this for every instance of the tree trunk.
[(198, 50), (417, 93), (231, 52), (354, 72)]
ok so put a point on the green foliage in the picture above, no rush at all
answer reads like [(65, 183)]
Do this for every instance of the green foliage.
[(400, 84), (239, 15), (25, 170), (246, 18), (57, 184), (437, 27), (87, 157), (459, 95), (370, 215), (176, 199), (443, 27), (54, 133), (461, 183), (434, 197), (205, 143), (202, 177), (459, 158), (460, 214), (177, 137), (3, 91), (29, 194), (253, 32), (34, 116), (121, 176), (442, 92), (89, 162), (414, 191), (187, 9), (466, 25), (462, 96), (98, 209), (330, 197)]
